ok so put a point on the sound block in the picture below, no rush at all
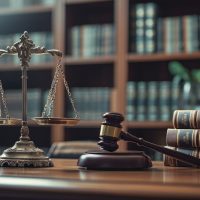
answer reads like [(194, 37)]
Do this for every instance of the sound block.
[(101, 160)]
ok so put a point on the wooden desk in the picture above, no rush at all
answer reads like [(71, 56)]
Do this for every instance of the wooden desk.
[(66, 181)]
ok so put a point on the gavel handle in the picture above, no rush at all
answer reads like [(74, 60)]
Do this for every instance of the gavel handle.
[(178, 155)]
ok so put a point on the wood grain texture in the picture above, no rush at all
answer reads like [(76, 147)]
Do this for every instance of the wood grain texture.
[(66, 181)]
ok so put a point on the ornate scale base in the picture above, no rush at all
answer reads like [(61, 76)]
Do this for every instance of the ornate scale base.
[(24, 154)]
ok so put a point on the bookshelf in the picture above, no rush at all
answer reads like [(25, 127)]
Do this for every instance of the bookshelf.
[(111, 68)]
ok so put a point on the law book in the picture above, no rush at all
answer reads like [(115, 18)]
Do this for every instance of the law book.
[(160, 35), (150, 27), (184, 138), (172, 162), (152, 101), (141, 101), (190, 24), (164, 93), (132, 29), (178, 23), (186, 119), (175, 95), (75, 41), (139, 28), (131, 101), (168, 35), (108, 33)]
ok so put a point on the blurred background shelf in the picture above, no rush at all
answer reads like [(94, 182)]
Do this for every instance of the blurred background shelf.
[(106, 62), (163, 57), (69, 60), (149, 125)]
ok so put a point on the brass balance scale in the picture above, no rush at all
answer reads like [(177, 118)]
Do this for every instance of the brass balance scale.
[(24, 153)]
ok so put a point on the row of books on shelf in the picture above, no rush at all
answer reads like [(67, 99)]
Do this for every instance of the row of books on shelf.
[(24, 3), (156, 100), (91, 102), (150, 33), (184, 136), (92, 40), (42, 39), (35, 101)]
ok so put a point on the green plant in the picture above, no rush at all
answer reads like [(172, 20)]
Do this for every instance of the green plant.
[(181, 73)]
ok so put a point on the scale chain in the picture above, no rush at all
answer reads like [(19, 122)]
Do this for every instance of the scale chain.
[(51, 96), (52, 93), (69, 93), (3, 101)]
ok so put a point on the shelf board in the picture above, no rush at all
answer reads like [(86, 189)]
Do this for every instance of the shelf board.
[(26, 10), (83, 1), (135, 124), (90, 123), (13, 67), (162, 57), (149, 124), (91, 60)]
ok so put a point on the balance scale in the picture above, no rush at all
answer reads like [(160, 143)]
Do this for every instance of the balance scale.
[(24, 153)]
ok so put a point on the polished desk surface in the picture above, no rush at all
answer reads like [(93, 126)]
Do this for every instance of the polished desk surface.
[(66, 181)]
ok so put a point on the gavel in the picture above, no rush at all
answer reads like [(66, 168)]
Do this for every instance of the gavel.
[(111, 132)]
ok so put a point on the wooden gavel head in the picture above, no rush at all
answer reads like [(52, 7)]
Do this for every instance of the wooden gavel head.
[(110, 131)]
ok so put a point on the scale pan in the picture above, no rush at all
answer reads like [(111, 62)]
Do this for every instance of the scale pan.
[(10, 121), (56, 121)]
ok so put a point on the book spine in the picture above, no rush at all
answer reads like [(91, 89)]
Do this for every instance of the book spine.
[(131, 101), (190, 33), (150, 27), (172, 162), (141, 101), (175, 96), (164, 100), (139, 28), (107, 39), (178, 36), (168, 35), (186, 119), (160, 35), (186, 138), (132, 29), (152, 101), (75, 41), (88, 40)]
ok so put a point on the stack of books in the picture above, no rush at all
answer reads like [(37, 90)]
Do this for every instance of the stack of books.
[(184, 137)]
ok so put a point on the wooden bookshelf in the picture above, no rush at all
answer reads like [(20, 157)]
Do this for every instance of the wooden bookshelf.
[(93, 60), (14, 67), (116, 69), (163, 57), (26, 10), (149, 125)]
